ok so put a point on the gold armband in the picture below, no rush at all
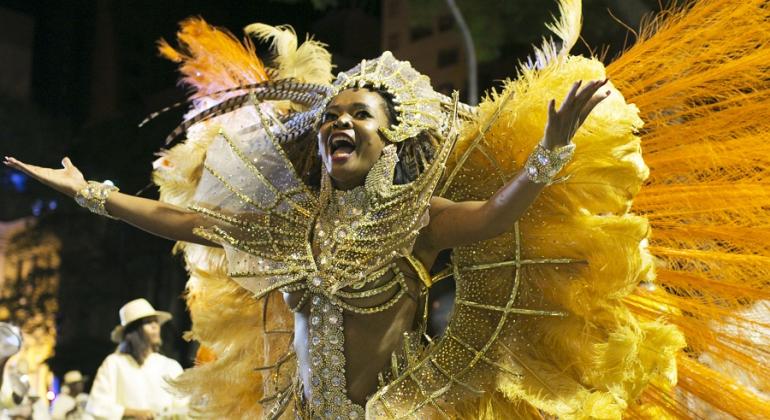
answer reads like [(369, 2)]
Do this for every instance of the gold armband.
[(544, 164), (94, 195)]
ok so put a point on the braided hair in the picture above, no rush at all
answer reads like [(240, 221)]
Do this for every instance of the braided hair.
[(415, 154)]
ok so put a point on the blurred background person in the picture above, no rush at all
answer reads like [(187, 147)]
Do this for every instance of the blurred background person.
[(70, 403), (132, 381), (12, 386), (17, 398)]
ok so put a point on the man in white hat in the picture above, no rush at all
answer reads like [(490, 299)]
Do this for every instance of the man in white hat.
[(65, 406), (132, 382)]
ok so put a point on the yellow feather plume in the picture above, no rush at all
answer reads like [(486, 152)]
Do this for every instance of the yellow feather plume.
[(310, 62), (568, 26), (594, 362)]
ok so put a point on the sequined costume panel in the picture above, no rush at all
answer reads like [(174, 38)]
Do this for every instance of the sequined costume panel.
[(263, 211)]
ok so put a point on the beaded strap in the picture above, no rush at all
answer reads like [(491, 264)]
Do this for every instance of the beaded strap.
[(544, 164), (93, 197)]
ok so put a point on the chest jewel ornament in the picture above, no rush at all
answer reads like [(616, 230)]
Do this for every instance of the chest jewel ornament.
[(345, 230), (329, 398), (358, 236)]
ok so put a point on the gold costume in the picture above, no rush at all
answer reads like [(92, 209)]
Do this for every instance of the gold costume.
[(560, 315)]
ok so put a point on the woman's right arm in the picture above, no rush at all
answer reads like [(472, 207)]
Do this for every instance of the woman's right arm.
[(156, 217)]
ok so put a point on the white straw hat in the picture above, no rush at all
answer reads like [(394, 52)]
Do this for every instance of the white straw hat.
[(73, 376), (134, 310)]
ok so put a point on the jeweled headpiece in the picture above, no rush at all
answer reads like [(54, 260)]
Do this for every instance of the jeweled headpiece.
[(418, 106)]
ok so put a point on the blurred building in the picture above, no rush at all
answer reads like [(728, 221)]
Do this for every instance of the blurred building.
[(433, 47), (29, 283), (16, 41), (350, 34)]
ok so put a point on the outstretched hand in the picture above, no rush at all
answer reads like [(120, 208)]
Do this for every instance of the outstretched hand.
[(68, 180), (564, 122)]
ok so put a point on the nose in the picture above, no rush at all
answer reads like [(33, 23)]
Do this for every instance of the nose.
[(343, 121)]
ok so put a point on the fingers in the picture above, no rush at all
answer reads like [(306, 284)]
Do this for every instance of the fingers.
[(591, 104), (31, 170), (574, 89), (577, 105), (576, 99), (69, 166), (588, 92), (17, 164), (570, 96), (585, 100), (13, 163)]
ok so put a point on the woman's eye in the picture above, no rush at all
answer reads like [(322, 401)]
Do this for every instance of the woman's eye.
[(328, 116), (363, 114)]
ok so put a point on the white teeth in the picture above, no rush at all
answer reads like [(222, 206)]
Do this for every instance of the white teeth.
[(338, 139), (341, 137)]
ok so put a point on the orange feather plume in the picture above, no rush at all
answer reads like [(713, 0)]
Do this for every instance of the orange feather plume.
[(212, 59)]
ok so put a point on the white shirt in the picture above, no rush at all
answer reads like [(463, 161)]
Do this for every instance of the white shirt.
[(121, 383), (27, 409), (65, 407), (6, 393)]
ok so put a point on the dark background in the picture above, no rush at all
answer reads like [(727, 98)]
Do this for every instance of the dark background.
[(95, 73)]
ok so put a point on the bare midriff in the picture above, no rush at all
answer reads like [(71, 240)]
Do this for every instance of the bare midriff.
[(370, 339)]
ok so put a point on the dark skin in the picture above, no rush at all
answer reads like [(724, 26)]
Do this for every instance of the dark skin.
[(354, 117)]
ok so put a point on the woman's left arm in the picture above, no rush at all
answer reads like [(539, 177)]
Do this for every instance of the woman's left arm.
[(454, 224)]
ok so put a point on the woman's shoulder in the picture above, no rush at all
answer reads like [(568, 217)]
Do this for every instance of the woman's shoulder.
[(114, 360), (115, 357), (163, 360), (437, 204)]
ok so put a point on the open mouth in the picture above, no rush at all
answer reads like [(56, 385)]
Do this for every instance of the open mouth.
[(341, 147)]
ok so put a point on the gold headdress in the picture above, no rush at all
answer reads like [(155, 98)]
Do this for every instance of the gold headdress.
[(419, 107)]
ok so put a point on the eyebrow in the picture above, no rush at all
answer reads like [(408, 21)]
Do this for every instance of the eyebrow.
[(355, 105)]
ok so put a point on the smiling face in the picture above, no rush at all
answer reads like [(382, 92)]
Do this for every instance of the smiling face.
[(349, 140)]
